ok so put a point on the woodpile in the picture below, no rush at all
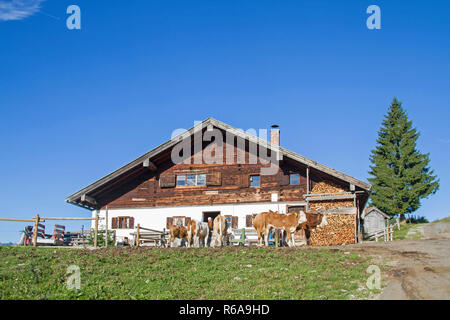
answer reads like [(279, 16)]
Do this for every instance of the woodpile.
[(341, 227), (326, 187), (330, 204), (340, 230)]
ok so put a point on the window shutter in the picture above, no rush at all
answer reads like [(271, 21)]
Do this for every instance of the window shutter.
[(248, 221), (169, 222), (187, 221), (167, 181), (214, 179), (234, 222), (283, 179), (245, 180), (131, 226), (114, 223)]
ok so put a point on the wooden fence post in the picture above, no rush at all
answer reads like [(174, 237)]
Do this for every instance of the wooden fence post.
[(96, 229), (137, 235), (36, 222), (277, 238), (106, 227)]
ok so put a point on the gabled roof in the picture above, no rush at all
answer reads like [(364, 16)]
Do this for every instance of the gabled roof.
[(370, 209), (83, 199)]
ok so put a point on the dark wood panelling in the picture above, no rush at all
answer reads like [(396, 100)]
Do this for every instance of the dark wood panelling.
[(230, 185)]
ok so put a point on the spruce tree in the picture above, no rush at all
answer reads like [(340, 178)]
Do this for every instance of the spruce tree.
[(401, 175)]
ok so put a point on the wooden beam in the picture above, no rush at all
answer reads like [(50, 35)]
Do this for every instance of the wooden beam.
[(65, 218), (319, 197), (307, 180), (36, 222), (148, 164), (21, 220), (138, 235), (86, 198), (106, 227), (96, 229)]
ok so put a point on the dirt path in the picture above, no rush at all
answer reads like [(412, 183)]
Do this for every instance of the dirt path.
[(421, 268)]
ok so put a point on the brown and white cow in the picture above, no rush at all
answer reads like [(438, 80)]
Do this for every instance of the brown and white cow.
[(197, 233), (265, 221), (220, 227), (179, 232), (314, 220)]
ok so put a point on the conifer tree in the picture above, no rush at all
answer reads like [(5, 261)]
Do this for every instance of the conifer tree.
[(400, 174)]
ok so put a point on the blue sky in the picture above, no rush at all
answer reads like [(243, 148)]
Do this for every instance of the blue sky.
[(77, 104)]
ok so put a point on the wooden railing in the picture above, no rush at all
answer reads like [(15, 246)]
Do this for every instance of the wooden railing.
[(387, 233), (244, 236), (157, 238), (39, 229)]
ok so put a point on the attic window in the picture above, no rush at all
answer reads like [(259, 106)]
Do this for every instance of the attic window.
[(294, 179), (181, 180), (255, 181), (191, 180)]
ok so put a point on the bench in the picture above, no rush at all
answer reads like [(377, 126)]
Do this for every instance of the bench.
[(243, 237)]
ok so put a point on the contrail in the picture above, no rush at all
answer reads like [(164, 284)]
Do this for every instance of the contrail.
[(49, 15)]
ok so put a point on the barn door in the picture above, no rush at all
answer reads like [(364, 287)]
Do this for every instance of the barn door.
[(210, 214)]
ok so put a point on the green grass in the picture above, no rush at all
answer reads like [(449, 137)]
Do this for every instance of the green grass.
[(408, 231), (447, 219), (180, 273)]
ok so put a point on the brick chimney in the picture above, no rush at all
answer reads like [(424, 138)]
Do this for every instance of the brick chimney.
[(275, 135)]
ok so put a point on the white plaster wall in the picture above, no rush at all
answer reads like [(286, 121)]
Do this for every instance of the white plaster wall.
[(155, 218)]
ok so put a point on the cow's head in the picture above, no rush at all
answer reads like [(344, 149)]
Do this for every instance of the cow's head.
[(301, 217), (322, 220)]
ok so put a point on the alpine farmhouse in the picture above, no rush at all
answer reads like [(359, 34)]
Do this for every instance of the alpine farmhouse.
[(157, 192)]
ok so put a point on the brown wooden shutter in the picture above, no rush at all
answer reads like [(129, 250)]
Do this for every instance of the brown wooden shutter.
[(187, 221), (131, 226), (169, 222), (245, 180), (114, 223), (248, 221), (167, 181), (214, 179), (234, 222), (283, 179)]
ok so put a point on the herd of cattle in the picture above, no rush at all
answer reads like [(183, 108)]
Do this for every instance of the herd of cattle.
[(214, 232)]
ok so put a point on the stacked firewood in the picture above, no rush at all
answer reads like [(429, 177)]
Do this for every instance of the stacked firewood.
[(340, 230), (341, 227), (330, 204), (326, 187)]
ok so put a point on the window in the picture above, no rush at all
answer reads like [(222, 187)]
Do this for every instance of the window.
[(122, 223), (232, 221), (255, 181), (201, 179), (179, 221), (228, 220), (181, 180), (191, 180), (249, 220), (294, 179)]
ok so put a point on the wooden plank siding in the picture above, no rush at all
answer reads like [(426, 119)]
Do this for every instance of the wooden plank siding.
[(231, 184)]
